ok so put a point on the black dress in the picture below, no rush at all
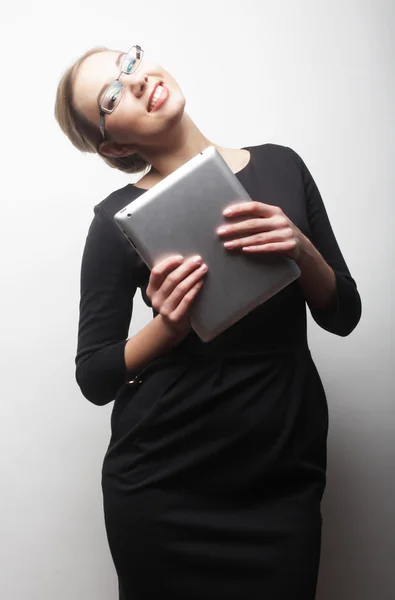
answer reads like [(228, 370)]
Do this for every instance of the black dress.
[(214, 474)]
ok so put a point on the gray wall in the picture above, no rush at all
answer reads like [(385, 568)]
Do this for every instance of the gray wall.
[(317, 76)]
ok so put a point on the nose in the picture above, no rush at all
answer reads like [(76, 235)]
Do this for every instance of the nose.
[(137, 82)]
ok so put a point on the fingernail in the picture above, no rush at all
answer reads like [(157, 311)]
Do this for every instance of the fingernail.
[(221, 230), (179, 257), (227, 211), (197, 259)]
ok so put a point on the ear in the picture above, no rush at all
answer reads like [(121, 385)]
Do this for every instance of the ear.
[(112, 149)]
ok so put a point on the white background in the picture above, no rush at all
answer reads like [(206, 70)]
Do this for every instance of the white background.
[(314, 75)]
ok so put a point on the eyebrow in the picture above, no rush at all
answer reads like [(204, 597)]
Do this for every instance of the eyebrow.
[(106, 85)]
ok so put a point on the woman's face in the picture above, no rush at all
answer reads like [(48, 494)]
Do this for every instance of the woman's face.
[(132, 122)]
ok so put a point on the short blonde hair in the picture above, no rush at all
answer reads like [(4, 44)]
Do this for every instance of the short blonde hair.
[(82, 133)]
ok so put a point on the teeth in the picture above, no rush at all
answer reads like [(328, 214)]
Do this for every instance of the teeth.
[(156, 97)]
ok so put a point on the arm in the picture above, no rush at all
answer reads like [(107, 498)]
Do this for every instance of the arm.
[(105, 359), (154, 340), (330, 291), (317, 279)]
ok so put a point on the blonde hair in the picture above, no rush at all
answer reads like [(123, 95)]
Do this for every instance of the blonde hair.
[(82, 133)]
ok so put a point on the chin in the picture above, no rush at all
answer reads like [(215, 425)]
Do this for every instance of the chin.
[(181, 104), (176, 106)]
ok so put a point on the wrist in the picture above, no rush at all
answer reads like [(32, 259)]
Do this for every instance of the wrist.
[(306, 250), (174, 332)]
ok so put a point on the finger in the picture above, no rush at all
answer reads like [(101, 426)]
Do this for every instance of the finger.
[(257, 239), (185, 305), (275, 247), (252, 207), (182, 289), (160, 271), (179, 274), (248, 226)]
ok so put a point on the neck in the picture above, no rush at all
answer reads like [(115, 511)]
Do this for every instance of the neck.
[(183, 143)]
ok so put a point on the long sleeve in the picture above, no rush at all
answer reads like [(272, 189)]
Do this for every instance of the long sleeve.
[(107, 290), (343, 316)]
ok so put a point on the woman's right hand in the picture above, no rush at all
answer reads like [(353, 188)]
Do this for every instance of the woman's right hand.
[(173, 285)]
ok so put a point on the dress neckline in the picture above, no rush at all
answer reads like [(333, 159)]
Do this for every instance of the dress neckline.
[(237, 173), (249, 161)]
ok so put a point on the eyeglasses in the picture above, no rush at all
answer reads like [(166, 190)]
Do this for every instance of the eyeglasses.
[(113, 94)]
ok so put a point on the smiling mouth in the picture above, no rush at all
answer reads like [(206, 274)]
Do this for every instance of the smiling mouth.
[(158, 97)]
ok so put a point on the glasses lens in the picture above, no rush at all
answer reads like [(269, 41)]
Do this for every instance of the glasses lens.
[(132, 60), (112, 96)]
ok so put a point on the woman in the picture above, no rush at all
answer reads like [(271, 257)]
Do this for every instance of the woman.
[(216, 466)]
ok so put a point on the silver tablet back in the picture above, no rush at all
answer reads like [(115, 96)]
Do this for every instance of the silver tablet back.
[(180, 215)]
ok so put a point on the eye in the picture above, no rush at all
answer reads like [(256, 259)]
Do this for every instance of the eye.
[(129, 65), (112, 96)]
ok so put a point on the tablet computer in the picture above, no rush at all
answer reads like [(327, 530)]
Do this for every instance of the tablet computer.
[(180, 215)]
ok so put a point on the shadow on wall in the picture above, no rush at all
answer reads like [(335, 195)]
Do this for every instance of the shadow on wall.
[(347, 564)]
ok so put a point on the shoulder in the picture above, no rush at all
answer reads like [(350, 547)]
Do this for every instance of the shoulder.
[(279, 158), (117, 200), (276, 152), (105, 210), (104, 232)]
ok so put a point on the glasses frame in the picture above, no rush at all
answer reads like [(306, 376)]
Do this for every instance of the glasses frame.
[(106, 111)]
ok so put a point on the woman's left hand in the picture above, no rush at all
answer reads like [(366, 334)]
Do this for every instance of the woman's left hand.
[(266, 229)]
